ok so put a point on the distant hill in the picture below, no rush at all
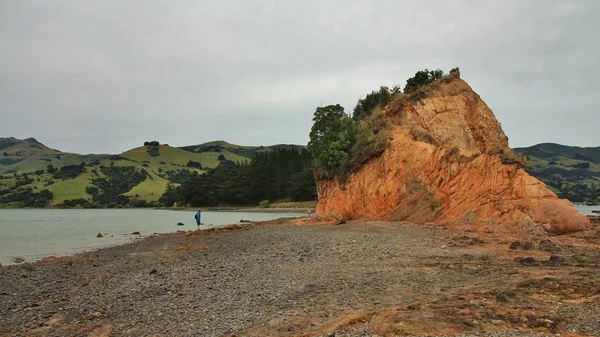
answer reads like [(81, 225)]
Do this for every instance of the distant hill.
[(29, 155), (240, 150), (572, 172), (142, 174)]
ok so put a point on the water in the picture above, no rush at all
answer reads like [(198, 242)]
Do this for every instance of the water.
[(587, 210), (35, 233)]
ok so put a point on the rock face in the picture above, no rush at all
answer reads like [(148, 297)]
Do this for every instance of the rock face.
[(447, 161)]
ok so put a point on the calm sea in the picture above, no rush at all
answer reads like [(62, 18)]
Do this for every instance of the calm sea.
[(35, 233)]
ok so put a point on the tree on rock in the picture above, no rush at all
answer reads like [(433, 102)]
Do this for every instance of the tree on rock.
[(330, 138)]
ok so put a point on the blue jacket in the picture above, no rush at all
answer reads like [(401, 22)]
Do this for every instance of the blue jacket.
[(198, 216)]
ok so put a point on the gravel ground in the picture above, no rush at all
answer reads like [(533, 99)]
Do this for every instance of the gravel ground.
[(281, 279)]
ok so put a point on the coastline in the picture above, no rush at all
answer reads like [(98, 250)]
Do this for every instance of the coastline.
[(241, 209), (300, 277)]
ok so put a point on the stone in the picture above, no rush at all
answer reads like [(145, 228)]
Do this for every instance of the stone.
[(521, 245), (556, 260), (135, 233), (152, 271), (527, 261), (180, 224), (99, 235), (548, 246), (462, 174)]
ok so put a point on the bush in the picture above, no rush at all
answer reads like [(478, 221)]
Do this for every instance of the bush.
[(69, 171), (153, 151), (376, 99), (196, 164), (422, 78), (508, 157), (264, 203), (370, 140), (422, 135)]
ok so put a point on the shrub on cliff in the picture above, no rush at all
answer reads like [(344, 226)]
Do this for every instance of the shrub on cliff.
[(330, 139), (375, 99), (421, 78)]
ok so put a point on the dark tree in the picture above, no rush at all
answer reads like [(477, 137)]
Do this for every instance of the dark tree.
[(50, 169)]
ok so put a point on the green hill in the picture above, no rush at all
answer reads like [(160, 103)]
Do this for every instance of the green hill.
[(243, 151), (572, 172), (28, 167), (29, 155)]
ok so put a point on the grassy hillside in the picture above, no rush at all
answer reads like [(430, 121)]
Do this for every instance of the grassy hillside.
[(29, 155), (572, 172), (240, 150), (173, 157), (25, 168)]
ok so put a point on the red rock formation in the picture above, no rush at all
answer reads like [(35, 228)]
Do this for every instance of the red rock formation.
[(444, 164)]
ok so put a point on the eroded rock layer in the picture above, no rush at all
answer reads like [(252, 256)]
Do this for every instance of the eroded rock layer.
[(448, 161)]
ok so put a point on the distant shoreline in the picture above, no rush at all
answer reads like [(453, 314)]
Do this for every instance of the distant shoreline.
[(241, 209)]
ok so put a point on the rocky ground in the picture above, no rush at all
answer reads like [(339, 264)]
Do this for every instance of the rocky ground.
[(299, 279)]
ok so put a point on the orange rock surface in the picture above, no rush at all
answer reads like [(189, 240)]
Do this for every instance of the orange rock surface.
[(443, 165)]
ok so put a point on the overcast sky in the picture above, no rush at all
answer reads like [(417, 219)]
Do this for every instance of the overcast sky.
[(104, 76)]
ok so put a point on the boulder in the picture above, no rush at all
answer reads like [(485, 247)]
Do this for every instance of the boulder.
[(99, 235), (448, 162)]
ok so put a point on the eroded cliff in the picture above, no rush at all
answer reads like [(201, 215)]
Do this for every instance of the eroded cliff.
[(447, 161)]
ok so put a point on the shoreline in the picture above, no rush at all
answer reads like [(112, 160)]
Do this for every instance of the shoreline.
[(241, 209), (298, 277), (44, 240)]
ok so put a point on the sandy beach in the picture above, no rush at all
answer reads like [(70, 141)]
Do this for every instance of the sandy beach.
[(298, 278)]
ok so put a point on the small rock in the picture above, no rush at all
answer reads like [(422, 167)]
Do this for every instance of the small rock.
[(135, 233), (96, 314), (521, 245), (99, 235), (556, 260), (18, 260), (548, 246), (180, 224), (502, 298), (580, 258), (443, 246), (527, 261), (152, 271)]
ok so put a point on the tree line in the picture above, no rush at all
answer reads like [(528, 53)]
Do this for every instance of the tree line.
[(281, 174)]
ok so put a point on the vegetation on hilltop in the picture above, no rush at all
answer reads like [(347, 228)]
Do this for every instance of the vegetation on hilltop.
[(340, 145)]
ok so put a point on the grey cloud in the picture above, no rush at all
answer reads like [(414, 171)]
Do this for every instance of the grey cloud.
[(104, 76)]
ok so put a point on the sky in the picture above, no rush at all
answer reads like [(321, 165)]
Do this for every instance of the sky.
[(103, 76)]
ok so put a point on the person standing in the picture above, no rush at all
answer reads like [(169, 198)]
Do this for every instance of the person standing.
[(198, 218)]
